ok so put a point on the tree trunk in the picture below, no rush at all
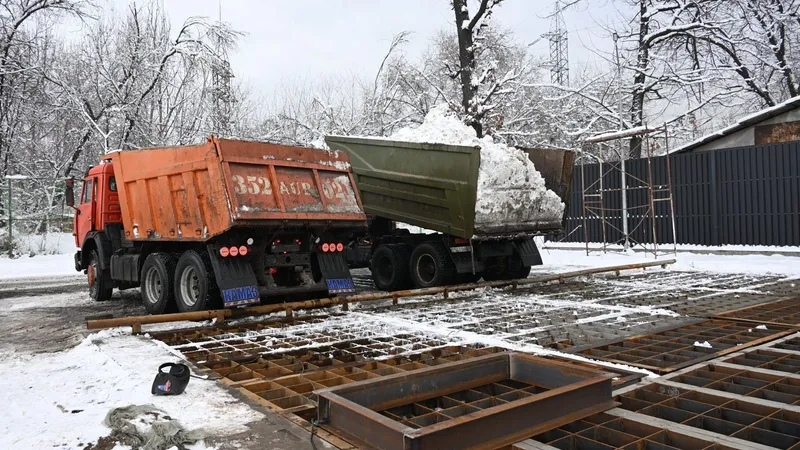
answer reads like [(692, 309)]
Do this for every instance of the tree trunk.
[(639, 80), (466, 56)]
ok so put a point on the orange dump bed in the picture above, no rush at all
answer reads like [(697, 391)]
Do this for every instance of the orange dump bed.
[(194, 193)]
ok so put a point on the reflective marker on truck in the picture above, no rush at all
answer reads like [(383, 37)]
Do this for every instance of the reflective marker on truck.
[(240, 296), (340, 285)]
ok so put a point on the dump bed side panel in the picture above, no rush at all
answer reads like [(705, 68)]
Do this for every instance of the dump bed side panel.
[(171, 193), (428, 185), (196, 192), (271, 182)]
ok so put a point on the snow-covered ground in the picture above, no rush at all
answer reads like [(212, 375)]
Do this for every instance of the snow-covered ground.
[(60, 400), (40, 255), (558, 260)]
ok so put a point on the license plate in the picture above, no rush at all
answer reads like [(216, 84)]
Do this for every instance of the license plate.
[(340, 285), (240, 296)]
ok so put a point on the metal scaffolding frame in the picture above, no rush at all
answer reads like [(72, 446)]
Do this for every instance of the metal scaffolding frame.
[(593, 195)]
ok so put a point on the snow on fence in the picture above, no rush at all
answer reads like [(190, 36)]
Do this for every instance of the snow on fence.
[(738, 196)]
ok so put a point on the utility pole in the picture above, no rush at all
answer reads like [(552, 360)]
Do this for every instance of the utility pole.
[(559, 47), (622, 157)]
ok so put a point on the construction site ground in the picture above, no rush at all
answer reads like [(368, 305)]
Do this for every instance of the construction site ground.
[(707, 355)]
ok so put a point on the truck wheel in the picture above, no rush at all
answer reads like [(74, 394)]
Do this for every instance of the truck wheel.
[(389, 267), (195, 285), (431, 266), (495, 269), (158, 295), (100, 284), (466, 278), (516, 269)]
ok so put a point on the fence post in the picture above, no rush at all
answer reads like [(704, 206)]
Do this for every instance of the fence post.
[(10, 237), (716, 237)]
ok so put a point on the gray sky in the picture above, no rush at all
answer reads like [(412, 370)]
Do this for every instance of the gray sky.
[(295, 41)]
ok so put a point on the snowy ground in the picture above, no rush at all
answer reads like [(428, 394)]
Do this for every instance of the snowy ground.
[(59, 399)]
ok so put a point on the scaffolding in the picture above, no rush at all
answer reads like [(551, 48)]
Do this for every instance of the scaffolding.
[(594, 195)]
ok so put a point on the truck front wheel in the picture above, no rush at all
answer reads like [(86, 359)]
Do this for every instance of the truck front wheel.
[(100, 284), (156, 281), (389, 267), (195, 285), (431, 266)]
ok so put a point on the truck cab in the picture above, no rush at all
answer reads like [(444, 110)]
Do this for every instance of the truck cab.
[(98, 204)]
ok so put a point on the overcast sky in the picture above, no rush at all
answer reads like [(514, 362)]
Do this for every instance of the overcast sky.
[(291, 41)]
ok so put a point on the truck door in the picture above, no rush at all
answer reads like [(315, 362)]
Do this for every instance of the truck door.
[(84, 220)]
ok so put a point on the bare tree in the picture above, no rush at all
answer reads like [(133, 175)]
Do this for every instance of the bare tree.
[(468, 30)]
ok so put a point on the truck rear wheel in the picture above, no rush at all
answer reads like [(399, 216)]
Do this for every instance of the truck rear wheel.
[(506, 269), (389, 267), (100, 284), (431, 266), (158, 295), (195, 285)]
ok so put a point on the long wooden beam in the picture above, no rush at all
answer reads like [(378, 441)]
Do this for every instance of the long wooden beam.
[(221, 314)]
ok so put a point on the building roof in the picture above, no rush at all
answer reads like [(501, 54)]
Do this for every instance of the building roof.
[(743, 123)]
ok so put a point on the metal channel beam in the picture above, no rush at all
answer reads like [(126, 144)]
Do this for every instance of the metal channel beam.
[(541, 394)]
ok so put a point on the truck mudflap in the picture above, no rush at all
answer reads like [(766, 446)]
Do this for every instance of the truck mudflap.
[(235, 279), (529, 252), (336, 273)]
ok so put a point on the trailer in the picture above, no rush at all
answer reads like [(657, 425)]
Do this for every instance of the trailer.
[(222, 224), (434, 187)]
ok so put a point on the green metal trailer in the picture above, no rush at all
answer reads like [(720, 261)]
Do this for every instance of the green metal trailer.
[(434, 186)]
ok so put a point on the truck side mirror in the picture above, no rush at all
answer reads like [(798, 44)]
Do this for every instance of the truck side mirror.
[(69, 192)]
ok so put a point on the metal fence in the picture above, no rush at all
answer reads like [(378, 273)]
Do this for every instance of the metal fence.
[(30, 206), (738, 196)]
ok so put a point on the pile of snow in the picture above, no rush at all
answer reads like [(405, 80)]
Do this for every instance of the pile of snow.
[(60, 400), (511, 192)]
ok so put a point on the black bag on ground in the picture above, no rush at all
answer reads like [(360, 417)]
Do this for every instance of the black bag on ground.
[(173, 382)]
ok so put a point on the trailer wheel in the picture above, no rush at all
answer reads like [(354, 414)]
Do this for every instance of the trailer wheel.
[(389, 267), (431, 266), (195, 285), (158, 295), (100, 284)]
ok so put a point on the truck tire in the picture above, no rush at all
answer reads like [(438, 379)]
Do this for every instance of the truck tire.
[(158, 294), (195, 285), (431, 266), (495, 269), (390, 267), (506, 269), (467, 278), (100, 284)]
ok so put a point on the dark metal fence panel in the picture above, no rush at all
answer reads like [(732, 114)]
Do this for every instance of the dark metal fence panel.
[(738, 196)]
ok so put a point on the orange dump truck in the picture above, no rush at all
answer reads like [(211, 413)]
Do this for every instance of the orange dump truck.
[(222, 224)]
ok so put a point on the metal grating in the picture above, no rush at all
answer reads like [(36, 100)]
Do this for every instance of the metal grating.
[(766, 359), (744, 382), (786, 312), (737, 418), (674, 349), (606, 432)]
